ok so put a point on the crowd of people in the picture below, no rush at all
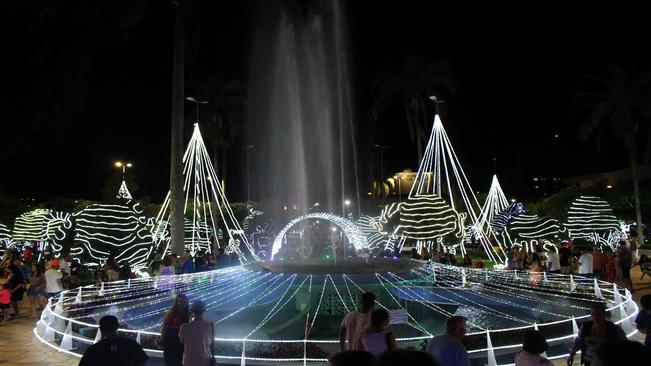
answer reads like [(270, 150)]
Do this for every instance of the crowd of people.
[(364, 339), (26, 274)]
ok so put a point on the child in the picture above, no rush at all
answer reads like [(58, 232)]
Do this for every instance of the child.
[(5, 301)]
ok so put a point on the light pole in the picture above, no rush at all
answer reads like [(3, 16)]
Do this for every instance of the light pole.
[(124, 166), (397, 177), (196, 103), (248, 175), (382, 148)]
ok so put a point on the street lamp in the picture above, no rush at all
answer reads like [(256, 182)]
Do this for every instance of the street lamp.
[(196, 103), (396, 177), (248, 174), (381, 147), (124, 166)]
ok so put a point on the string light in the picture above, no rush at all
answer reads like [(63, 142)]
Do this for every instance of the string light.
[(256, 300), (206, 203), (591, 218)]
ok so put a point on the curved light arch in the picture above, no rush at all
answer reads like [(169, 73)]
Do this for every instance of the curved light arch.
[(352, 231)]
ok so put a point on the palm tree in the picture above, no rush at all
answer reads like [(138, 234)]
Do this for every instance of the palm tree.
[(225, 109), (619, 102), (176, 161), (412, 82)]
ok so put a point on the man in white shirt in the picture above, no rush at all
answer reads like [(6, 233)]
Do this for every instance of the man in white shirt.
[(553, 262), (53, 279), (356, 322), (585, 263), (197, 337)]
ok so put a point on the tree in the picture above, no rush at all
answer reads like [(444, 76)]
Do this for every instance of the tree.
[(176, 161), (619, 102), (225, 109), (113, 182), (412, 82)]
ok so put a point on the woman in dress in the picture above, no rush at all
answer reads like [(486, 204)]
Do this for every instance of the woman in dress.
[(178, 315)]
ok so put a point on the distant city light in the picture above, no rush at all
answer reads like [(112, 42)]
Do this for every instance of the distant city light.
[(609, 186)]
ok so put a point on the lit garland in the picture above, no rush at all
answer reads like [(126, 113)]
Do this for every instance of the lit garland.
[(119, 229), (206, 199), (352, 231), (592, 218), (495, 203), (251, 304)]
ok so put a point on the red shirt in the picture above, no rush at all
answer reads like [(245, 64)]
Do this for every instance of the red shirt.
[(598, 261), (5, 296)]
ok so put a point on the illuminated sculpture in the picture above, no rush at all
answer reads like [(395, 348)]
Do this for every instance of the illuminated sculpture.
[(528, 231), (352, 231), (206, 207), (43, 226), (119, 229), (591, 218)]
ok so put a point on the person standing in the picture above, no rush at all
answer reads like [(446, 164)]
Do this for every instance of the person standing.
[(376, 339), (643, 319), (564, 255), (585, 264), (178, 315), (625, 261), (610, 268), (533, 344), (188, 262), (355, 322), (593, 334), (553, 262), (113, 350), (16, 283), (53, 280), (197, 337), (447, 348), (598, 263), (36, 291)]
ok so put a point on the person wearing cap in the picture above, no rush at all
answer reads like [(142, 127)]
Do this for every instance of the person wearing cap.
[(197, 337), (113, 350), (53, 280)]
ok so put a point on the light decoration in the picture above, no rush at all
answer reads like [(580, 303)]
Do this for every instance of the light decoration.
[(205, 201), (6, 240), (504, 217), (528, 231), (43, 226), (250, 304), (495, 203), (425, 218), (119, 229), (376, 239), (440, 173), (355, 236), (123, 192), (591, 218)]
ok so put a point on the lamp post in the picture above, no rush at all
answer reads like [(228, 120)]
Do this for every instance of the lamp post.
[(397, 177), (248, 175), (382, 148), (124, 166), (196, 103)]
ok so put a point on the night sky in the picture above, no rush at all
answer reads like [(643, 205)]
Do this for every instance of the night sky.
[(516, 68)]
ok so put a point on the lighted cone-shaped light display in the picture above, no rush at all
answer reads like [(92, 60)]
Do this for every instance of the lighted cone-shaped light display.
[(206, 206), (495, 203), (123, 192), (591, 218), (440, 173), (119, 229), (287, 316)]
